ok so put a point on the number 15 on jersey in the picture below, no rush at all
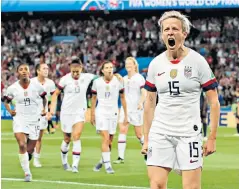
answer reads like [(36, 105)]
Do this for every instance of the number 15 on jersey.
[(174, 87)]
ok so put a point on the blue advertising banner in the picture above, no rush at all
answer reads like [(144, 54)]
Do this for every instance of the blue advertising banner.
[(91, 5)]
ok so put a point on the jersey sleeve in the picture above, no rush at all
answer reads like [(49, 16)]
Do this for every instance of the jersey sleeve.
[(62, 83), (42, 93), (206, 76), (150, 81), (9, 94), (121, 88), (141, 82), (52, 88), (93, 89)]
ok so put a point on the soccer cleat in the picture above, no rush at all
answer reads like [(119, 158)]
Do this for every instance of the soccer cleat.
[(36, 163), (28, 177), (75, 170), (119, 161), (110, 170), (67, 167), (98, 167), (237, 134)]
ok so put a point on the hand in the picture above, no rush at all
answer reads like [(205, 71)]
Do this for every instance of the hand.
[(93, 119), (43, 112), (140, 106), (144, 148), (209, 147), (125, 120), (119, 77), (49, 115), (12, 112)]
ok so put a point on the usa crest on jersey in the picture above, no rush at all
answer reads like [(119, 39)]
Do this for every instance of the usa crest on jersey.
[(188, 71)]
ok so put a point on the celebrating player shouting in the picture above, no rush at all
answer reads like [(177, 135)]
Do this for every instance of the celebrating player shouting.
[(173, 129)]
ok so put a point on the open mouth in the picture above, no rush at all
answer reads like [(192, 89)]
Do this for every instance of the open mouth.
[(171, 42)]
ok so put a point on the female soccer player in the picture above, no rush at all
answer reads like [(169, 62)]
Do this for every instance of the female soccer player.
[(106, 90), (172, 130), (49, 86), (26, 116), (135, 95), (73, 109)]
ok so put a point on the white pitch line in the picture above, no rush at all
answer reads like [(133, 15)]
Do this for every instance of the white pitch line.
[(75, 183)]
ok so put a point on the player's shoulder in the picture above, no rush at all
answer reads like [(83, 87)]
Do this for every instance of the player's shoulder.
[(50, 82), (139, 76), (90, 75), (99, 79), (34, 79), (160, 59), (67, 76), (13, 86), (195, 57)]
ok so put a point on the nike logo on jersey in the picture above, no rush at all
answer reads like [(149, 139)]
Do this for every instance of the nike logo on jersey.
[(191, 161), (159, 74)]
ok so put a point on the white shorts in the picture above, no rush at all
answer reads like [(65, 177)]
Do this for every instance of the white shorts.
[(32, 129), (134, 118), (179, 153), (106, 124), (43, 123), (68, 120)]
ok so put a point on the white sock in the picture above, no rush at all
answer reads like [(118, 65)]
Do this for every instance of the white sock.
[(76, 153), (106, 159), (141, 140), (24, 162), (101, 160), (121, 145), (36, 155), (64, 152)]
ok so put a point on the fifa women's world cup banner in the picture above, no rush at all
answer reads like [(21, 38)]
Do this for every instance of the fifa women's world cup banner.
[(91, 5)]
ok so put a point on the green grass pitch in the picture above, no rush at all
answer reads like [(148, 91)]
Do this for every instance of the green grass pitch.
[(221, 170)]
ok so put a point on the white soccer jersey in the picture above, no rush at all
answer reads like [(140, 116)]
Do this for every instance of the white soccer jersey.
[(178, 85), (132, 89), (74, 99), (27, 104), (107, 96), (49, 87)]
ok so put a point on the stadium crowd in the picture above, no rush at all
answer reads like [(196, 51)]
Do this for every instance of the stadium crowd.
[(99, 39)]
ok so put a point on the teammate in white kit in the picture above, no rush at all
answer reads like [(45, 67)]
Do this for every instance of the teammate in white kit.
[(135, 95), (73, 108), (26, 114), (106, 90), (172, 130), (49, 86)]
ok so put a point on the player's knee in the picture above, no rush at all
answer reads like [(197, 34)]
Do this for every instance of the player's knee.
[(157, 184), (191, 186), (39, 139), (76, 136), (67, 140), (30, 151), (22, 146)]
